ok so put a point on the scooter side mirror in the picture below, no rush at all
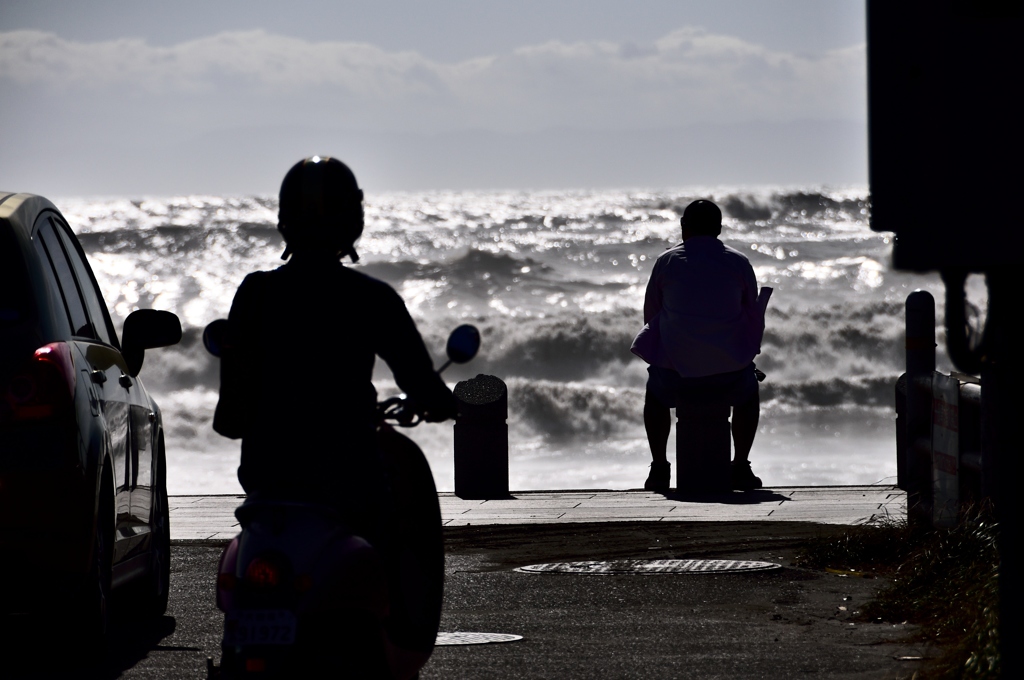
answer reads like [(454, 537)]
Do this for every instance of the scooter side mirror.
[(215, 337), (463, 344)]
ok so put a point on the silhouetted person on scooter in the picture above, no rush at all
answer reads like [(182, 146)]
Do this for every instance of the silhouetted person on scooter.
[(296, 384)]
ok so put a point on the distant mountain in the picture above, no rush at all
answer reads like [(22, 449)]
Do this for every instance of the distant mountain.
[(252, 160)]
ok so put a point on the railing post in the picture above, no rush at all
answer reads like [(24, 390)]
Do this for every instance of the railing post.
[(920, 358), (481, 438)]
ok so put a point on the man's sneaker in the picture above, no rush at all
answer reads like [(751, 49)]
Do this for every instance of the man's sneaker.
[(743, 478), (661, 475)]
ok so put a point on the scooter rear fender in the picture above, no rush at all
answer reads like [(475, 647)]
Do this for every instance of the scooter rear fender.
[(348, 574), (226, 579), (331, 568), (298, 531)]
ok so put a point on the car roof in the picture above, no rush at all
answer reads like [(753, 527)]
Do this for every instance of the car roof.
[(20, 210)]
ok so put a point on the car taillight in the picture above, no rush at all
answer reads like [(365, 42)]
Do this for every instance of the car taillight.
[(45, 388)]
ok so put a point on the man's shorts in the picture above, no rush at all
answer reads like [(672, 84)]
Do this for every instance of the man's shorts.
[(672, 390)]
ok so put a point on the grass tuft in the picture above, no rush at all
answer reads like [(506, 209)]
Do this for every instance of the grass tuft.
[(878, 547), (944, 580)]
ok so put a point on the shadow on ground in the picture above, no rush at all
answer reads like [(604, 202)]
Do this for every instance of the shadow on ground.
[(39, 647), (728, 497), (503, 547)]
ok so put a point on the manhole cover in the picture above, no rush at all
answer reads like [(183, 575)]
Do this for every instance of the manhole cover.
[(460, 638), (649, 567)]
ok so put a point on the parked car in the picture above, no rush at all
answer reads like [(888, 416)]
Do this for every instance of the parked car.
[(83, 495)]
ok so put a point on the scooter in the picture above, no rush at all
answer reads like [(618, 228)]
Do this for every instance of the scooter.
[(305, 596)]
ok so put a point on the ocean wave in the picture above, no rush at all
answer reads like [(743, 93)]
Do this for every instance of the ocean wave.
[(577, 411), (123, 214), (574, 413), (470, 265), (800, 346), (169, 239), (555, 280), (184, 366), (536, 252), (500, 211), (808, 210), (572, 347), (837, 339), (768, 205), (854, 391), (580, 411)]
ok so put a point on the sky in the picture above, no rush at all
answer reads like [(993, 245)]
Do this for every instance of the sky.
[(117, 97)]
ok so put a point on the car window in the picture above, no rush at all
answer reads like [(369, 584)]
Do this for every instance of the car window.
[(56, 298), (87, 285), (47, 240)]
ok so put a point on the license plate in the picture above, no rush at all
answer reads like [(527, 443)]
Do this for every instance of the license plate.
[(260, 627)]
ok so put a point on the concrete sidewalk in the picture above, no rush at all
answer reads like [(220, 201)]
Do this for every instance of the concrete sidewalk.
[(211, 518)]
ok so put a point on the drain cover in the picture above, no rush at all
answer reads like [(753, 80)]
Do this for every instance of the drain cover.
[(460, 638), (649, 567)]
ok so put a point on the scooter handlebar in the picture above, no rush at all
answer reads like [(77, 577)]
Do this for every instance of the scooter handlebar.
[(399, 411)]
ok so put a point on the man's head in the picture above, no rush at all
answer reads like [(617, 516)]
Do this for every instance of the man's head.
[(321, 208), (701, 218)]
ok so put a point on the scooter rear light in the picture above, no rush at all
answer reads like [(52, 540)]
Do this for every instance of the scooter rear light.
[(264, 572)]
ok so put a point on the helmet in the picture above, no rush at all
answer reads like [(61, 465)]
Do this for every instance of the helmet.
[(321, 207), (702, 217)]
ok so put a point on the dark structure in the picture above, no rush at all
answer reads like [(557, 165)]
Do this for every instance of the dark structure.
[(945, 141), (914, 418)]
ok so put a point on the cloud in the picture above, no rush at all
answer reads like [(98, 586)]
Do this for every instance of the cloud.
[(688, 76), (273, 63)]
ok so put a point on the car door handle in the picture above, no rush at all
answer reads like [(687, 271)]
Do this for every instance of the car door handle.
[(98, 377), (125, 381)]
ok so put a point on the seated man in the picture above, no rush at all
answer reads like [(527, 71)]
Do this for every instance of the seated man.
[(296, 386), (703, 328)]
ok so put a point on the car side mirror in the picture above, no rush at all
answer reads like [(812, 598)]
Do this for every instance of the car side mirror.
[(146, 329), (463, 344)]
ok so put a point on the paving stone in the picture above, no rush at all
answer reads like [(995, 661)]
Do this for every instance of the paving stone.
[(212, 518)]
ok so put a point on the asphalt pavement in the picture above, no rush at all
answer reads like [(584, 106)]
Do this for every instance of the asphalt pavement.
[(788, 622)]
